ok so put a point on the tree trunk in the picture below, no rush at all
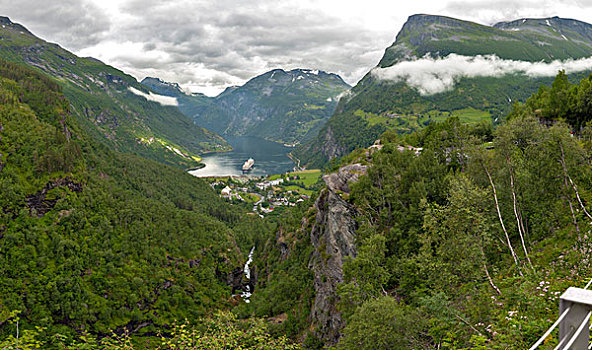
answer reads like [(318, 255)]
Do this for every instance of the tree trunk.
[(515, 203), (487, 271), (501, 220), (573, 185)]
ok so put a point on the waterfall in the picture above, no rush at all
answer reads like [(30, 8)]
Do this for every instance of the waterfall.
[(246, 294)]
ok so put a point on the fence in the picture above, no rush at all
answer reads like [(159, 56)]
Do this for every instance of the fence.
[(575, 309)]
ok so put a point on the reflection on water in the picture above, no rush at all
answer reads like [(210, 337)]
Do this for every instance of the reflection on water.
[(270, 158)]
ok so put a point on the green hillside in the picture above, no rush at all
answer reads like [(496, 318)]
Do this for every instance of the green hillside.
[(94, 240), (106, 107), (192, 105), (375, 105), (282, 106), (467, 244)]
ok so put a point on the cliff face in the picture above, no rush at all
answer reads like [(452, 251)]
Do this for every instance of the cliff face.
[(333, 237)]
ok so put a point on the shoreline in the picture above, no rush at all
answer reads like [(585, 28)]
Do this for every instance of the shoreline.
[(201, 166), (210, 165)]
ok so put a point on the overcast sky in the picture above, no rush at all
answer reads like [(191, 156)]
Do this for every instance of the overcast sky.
[(207, 45)]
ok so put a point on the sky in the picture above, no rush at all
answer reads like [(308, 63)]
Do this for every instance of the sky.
[(206, 46)]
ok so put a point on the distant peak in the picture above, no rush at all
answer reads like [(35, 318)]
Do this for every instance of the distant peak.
[(422, 22), (422, 17), (540, 21), (153, 79), (307, 71), (5, 21), (160, 82)]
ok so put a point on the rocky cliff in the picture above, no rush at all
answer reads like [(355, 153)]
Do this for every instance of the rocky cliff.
[(333, 236)]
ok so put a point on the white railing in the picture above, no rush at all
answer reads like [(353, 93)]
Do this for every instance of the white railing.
[(575, 307)]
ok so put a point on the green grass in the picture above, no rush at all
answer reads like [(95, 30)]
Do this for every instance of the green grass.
[(471, 115), (251, 198), (299, 190), (308, 177), (410, 122)]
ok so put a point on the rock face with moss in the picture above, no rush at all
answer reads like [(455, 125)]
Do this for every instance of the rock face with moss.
[(333, 237), (375, 105)]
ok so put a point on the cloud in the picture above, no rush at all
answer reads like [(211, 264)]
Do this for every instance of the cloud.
[(74, 24), (208, 45), (435, 75), (490, 12), (163, 100)]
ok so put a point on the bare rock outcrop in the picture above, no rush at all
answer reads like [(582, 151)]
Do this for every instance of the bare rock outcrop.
[(340, 180), (333, 236), (38, 202)]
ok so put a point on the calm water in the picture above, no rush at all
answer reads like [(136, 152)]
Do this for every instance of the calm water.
[(270, 158)]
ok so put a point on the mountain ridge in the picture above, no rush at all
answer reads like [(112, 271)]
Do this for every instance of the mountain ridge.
[(286, 106), (376, 105), (106, 106)]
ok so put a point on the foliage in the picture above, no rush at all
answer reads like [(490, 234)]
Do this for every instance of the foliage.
[(563, 101), (95, 240), (446, 254), (222, 331), (282, 106), (104, 106), (376, 105), (383, 323)]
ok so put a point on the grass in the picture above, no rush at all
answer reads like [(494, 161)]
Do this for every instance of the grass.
[(409, 123), (471, 115), (308, 177), (251, 198), (299, 190)]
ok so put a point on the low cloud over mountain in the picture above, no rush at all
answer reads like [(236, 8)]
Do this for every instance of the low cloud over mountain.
[(434, 75)]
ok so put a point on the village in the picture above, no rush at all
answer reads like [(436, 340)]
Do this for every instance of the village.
[(267, 195)]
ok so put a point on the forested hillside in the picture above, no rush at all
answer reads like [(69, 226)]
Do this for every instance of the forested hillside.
[(377, 104), (93, 241), (466, 243), (111, 106), (446, 221), (283, 106)]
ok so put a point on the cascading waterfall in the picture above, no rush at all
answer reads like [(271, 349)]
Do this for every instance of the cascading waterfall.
[(246, 294)]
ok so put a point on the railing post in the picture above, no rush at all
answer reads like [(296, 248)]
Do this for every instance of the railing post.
[(580, 302)]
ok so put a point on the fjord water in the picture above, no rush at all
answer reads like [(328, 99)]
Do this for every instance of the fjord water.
[(270, 158)]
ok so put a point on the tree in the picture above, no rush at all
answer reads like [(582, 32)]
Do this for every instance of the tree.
[(383, 323)]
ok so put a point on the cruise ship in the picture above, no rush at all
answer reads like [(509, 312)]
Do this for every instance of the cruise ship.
[(248, 166)]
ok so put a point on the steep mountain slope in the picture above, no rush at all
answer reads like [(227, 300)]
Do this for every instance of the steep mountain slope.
[(282, 106), (191, 104), (449, 245), (377, 104), (111, 105), (93, 240)]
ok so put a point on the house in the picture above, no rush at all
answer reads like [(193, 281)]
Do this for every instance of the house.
[(225, 192)]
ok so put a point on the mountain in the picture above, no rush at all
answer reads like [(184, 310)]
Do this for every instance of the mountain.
[(376, 104), (191, 104), (455, 236), (111, 105), (97, 240), (282, 106)]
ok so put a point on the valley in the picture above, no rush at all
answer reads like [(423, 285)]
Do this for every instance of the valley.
[(442, 202), (270, 158)]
